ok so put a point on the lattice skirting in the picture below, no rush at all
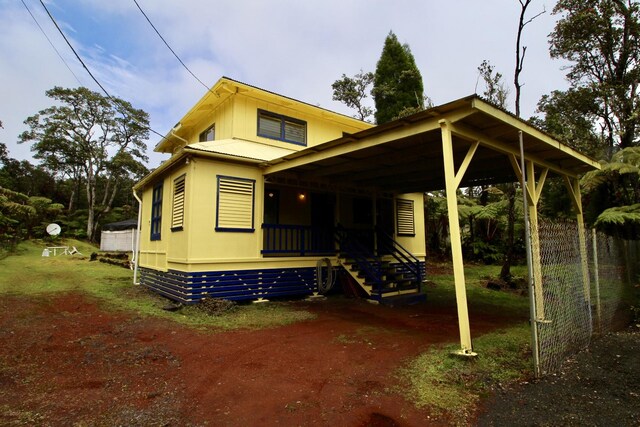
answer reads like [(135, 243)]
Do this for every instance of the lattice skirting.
[(191, 287)]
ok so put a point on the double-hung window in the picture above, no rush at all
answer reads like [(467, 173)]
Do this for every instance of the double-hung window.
[(282, 128), (156, 212)]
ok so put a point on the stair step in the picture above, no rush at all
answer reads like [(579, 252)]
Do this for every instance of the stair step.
[(404, 299)]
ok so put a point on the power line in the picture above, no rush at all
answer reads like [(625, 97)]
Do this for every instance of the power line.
[(87, 68), (169, 47), (50, 42)]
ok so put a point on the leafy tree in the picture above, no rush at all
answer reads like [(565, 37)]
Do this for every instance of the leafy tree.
[(601, 41), (91, 140), (352, 91), (495, 89), (397, 87), (569, 117)]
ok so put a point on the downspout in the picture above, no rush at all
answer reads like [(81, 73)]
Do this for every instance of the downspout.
[(136, 251)]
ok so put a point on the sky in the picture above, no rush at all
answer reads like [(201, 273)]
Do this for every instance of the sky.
[(297, 48)]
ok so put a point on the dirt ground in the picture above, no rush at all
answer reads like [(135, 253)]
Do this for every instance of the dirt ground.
[(598, 387), (64, 360)]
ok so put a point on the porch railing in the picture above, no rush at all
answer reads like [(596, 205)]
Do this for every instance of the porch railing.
[(297, 240)]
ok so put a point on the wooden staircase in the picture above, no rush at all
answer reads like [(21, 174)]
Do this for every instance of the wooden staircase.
[(384, 277)]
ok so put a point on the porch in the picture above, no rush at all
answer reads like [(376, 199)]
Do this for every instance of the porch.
[(467, 142)]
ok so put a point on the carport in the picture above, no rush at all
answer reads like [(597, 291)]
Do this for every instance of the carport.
[(467, 142)]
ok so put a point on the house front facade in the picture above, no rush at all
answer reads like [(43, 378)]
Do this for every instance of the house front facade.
[(214, 222)]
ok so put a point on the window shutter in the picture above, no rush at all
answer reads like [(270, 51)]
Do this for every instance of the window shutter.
[(405, 218), (235, 204), (177, 218)]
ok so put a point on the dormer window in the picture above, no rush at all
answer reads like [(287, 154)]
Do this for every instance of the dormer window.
[(282, 128), (209, 134)]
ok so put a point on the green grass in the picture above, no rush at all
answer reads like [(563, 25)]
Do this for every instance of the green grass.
[(479, 298), (451, 384), (447, 383), (27, 273)]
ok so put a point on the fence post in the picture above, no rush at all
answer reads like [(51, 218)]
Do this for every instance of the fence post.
[(535, 345), (596, 278)]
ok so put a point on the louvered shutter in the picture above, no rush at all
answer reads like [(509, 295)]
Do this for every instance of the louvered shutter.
[(177, 217), (235, 204), (405, 218)]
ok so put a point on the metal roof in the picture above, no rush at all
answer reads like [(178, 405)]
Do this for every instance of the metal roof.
[(406, 155), (241, 149)]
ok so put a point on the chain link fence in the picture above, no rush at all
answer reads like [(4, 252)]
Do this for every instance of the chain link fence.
[(586, 288)]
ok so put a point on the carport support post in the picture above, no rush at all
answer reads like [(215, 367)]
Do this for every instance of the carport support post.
[(573, 185), (456, 243)]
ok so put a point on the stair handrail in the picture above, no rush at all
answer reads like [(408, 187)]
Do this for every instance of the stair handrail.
[(361, 255), (402, 255)]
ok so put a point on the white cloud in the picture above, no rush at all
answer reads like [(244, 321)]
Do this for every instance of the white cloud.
[(296, 48)]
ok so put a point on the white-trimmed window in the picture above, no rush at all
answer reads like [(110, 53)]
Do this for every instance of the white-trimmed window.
[(404, 218), (177, 211), (235, 204), (282, 128), (209, 134)]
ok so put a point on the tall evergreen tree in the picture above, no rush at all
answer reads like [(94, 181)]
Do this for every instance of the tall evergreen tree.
[(397, 86)]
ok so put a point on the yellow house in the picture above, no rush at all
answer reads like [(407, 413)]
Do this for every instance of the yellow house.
[(262, 190), (214, 222)]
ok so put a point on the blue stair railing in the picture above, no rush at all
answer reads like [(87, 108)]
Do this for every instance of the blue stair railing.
[(367, 263), (403, 272), (409, 264)]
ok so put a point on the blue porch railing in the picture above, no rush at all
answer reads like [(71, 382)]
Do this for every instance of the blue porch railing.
[(297, 240)]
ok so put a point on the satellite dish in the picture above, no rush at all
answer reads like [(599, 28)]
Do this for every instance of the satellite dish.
[(53, 229)]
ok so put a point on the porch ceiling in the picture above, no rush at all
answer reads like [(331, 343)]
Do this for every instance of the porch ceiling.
[(406, 156)]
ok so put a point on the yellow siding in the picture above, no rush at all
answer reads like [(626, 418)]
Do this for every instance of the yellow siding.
[(416, 244), (221, 116), (154, 253), (319, 129), (208, 245), (237, 117)]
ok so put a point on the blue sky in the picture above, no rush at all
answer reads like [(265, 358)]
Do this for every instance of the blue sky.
[(296, 48)]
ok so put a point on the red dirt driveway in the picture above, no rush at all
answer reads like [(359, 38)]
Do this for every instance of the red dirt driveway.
[(64, 360)]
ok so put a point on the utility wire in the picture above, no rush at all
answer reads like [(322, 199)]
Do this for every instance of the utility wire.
[(87, 68), (169, 47), (50, 42)]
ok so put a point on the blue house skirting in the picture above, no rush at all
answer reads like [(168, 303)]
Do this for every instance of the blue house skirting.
[(191, 287)]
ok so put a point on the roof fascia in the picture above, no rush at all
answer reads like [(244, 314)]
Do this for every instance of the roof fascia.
[(519, 124)]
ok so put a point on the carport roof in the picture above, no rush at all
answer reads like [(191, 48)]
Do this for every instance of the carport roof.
[(406, 155)]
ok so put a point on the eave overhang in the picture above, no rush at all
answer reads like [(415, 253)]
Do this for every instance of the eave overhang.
[(405, 155)]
